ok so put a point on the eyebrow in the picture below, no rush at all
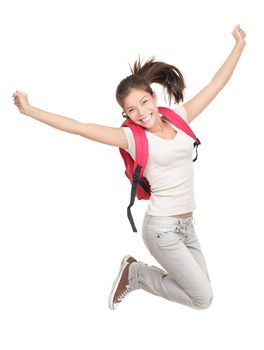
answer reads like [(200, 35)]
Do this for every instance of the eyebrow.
[(139, 100)]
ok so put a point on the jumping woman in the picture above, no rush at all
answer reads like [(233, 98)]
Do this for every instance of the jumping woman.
[(168, 228)]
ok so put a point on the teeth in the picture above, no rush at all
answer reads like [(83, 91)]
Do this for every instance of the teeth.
[(147, 118)]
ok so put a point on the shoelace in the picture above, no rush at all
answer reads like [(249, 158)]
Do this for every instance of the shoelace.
[(124, 294)]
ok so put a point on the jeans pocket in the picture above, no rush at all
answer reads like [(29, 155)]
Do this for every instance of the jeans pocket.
[(152, 233), (167, 239), (163, 231)]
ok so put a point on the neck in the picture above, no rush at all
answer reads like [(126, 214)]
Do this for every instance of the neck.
[(158, 127)]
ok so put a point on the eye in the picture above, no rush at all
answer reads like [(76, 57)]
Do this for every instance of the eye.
[(145, 101)]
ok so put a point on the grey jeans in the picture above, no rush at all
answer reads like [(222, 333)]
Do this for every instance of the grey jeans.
[(174, 244)]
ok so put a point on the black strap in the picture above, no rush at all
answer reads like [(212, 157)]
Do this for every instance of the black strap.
[(133, 195), (196, 144), (144, 185)]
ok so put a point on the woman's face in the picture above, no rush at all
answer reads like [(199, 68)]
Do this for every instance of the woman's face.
[(141, 107)]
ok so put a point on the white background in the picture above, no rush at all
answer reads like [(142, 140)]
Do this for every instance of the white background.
[(63, 221)]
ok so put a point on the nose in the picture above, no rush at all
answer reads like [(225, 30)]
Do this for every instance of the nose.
[(141, 111)]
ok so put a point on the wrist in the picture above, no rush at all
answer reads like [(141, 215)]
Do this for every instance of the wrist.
[(241, 44), (29, 111)]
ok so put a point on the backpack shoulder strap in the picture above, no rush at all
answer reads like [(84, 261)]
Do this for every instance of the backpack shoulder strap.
[(141, 145), (180, 123), (177, 120)]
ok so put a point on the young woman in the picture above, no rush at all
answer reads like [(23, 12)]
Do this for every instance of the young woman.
[(168, 229)]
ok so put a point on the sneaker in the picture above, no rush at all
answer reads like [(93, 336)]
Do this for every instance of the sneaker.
[(120, 287), (129, 259)]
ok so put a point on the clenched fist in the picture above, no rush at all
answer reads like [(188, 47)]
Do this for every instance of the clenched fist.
[(21, 101), (239, 35)]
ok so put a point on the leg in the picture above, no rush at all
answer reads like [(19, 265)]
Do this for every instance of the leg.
[(194, 247), (184, 280)]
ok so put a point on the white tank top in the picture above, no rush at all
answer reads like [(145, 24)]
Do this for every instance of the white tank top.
[(169, 170)]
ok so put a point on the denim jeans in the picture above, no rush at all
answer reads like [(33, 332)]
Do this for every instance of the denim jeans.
[(174, 244)]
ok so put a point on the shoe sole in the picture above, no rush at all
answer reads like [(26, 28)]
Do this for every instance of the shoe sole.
[(111, 304)]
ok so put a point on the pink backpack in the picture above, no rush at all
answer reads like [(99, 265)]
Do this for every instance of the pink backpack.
[(135, 168)]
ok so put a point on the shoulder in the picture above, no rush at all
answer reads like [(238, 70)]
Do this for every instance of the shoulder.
[(130, 140), (128, 132), (181, 110)]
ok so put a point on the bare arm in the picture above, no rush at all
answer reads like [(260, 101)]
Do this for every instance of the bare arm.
[(200, 101), (99, 133)]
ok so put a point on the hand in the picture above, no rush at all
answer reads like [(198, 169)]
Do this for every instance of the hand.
[(239, 35), (21, 101)]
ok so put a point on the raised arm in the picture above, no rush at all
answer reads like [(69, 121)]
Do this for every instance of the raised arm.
[(200, 101), (99, 133)]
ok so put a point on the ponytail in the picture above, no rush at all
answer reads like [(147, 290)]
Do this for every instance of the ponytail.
[(143, 75)]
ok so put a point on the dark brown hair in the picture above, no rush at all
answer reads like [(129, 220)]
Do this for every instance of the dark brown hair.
[(150, 72)]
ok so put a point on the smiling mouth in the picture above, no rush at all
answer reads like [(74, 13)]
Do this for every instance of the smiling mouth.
[(146, 118)]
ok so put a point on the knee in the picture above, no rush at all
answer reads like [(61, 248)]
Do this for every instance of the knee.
[(203, 303), (204, 299)]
